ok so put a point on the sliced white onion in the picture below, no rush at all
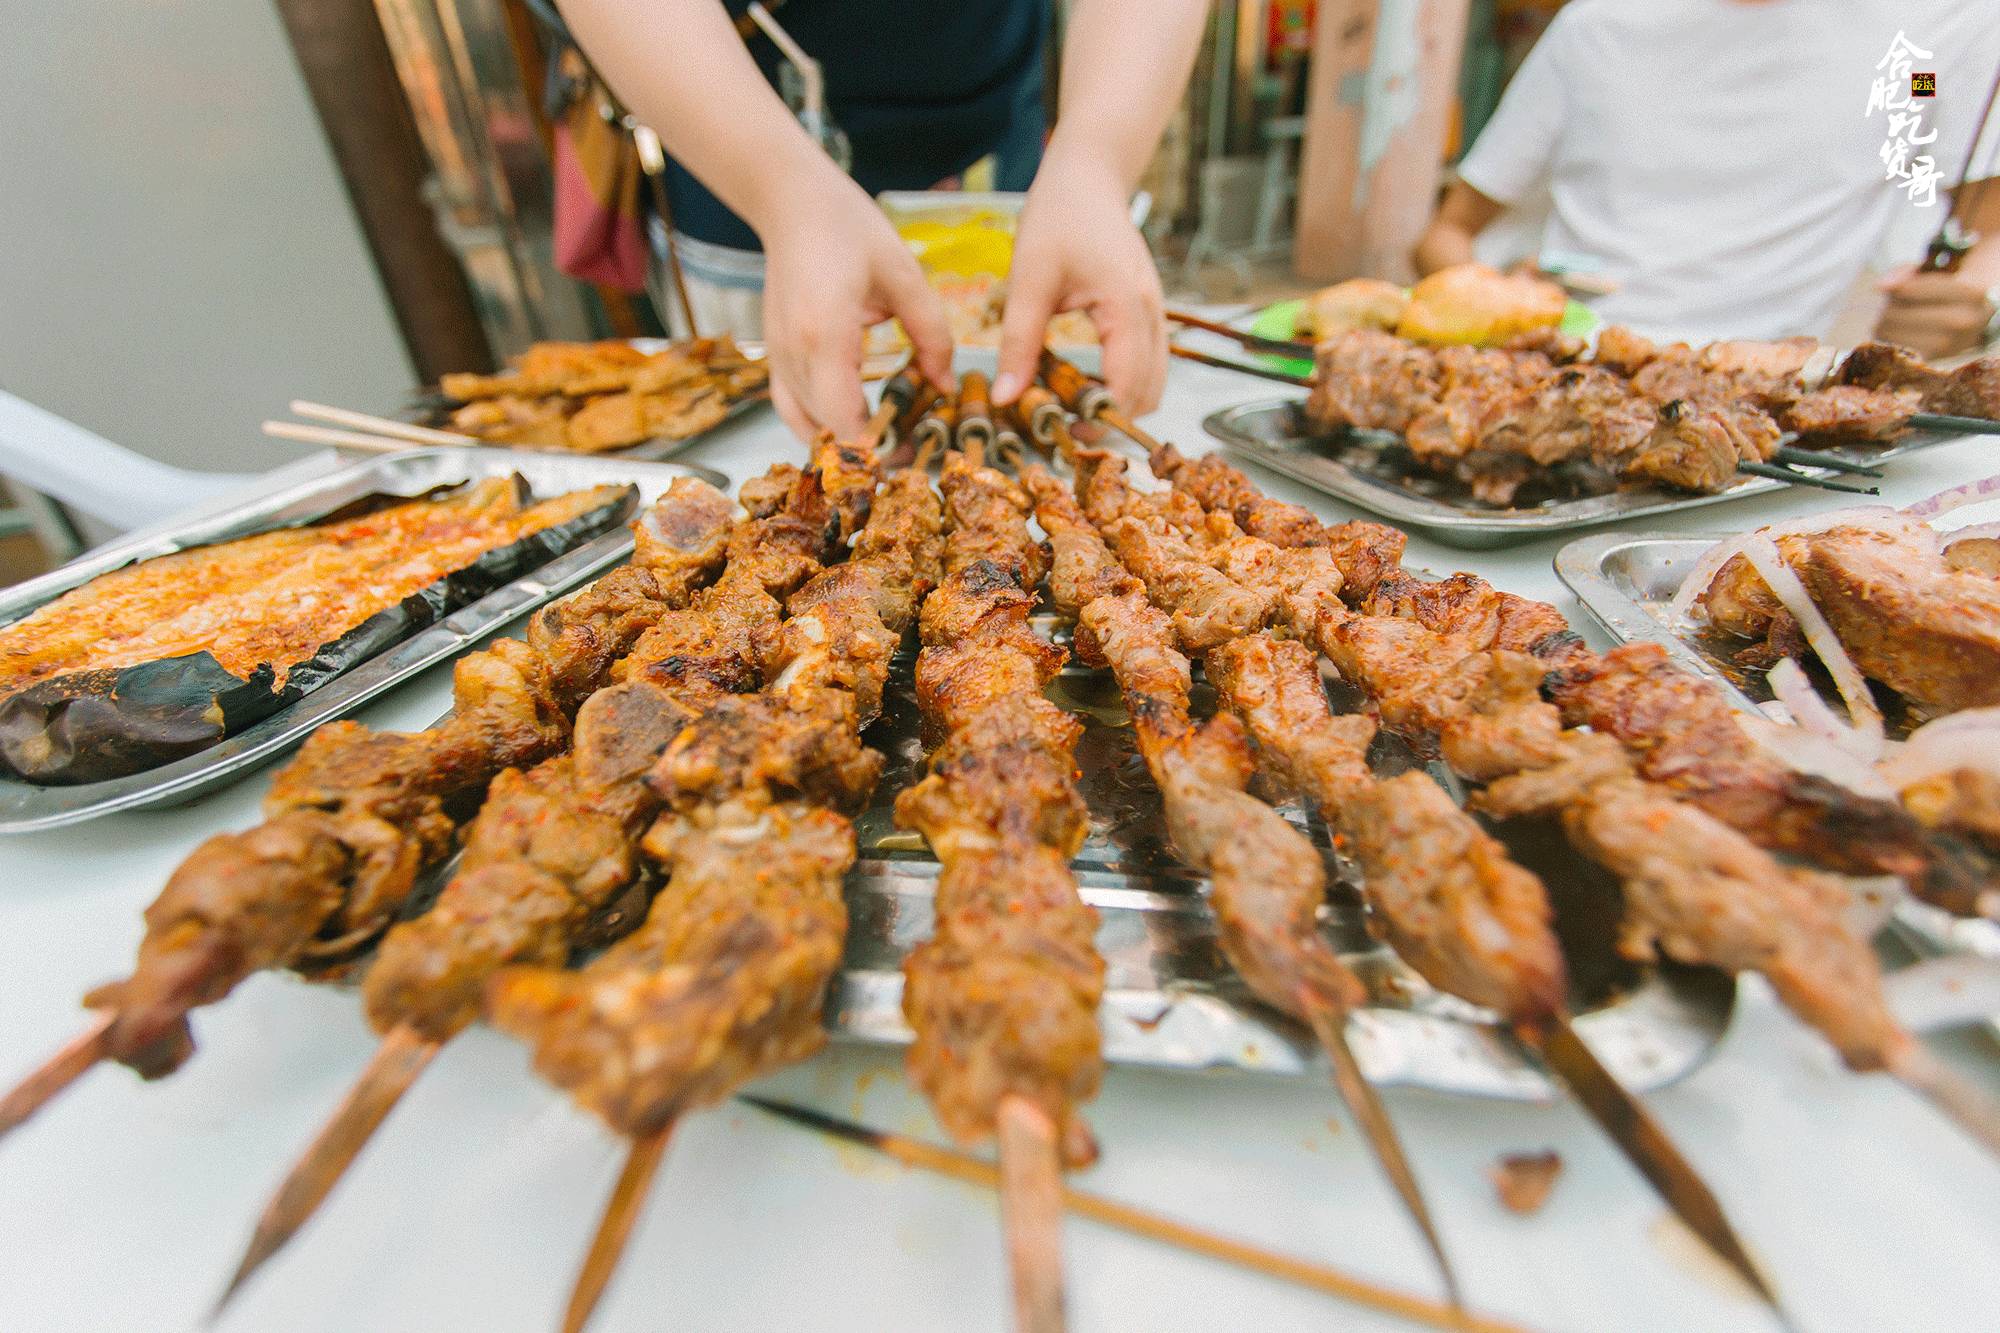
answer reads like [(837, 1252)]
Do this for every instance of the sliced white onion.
[(1930, 751), (1971, 532), (1868, 518), (1955, 498), (1862, 714), (1795, 690), (1807, 752)]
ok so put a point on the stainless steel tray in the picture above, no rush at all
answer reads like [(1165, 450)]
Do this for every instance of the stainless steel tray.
[(1272, 432), (1172, 1002), (1626, 582), (25, 806)]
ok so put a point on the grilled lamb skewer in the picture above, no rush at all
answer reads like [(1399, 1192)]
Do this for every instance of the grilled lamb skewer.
[(352, 822), (1267, 881), (1696, 888), (725, 979), (1678, 727), (1003, 996), (557, 844)]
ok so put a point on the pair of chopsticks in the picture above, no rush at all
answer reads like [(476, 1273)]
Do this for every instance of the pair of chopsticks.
[(358, 430)]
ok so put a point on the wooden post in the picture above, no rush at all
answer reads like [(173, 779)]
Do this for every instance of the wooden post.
[(1378, 115)]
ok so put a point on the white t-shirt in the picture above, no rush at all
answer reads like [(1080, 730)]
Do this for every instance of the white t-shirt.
[(1718, 160)]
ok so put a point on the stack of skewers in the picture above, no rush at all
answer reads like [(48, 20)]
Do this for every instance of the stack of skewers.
[(670, 760)]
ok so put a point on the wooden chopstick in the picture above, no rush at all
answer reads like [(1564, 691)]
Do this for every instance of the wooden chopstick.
[(362, 421), (339, 439)]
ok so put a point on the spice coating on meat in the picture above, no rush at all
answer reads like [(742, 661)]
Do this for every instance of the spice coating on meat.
[(723, 982), (1970, 390), (354, 819), (1452, 903), (725, 979), (1906, 615), (1003, 996)]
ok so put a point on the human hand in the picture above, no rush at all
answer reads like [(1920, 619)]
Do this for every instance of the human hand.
[(833, 266), (1934, 314), (1076, 249)]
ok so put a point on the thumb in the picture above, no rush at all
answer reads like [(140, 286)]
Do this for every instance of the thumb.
[(913, 302), (1031, 302)]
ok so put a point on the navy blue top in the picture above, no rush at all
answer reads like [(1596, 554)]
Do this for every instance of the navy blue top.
[(922, 89)]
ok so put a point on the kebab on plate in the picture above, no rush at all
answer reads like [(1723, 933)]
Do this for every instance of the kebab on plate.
[(358, 816), (725, 979), (1003, 996), (556, 846), (593, 397), (1677, 726), (1266, 879)]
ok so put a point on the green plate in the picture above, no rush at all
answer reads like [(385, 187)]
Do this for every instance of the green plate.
[(1280, 320)]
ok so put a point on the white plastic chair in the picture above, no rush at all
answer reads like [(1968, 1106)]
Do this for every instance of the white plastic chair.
[(48, 456)]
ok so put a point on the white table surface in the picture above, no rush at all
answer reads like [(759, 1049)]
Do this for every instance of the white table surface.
[(124, 1206)]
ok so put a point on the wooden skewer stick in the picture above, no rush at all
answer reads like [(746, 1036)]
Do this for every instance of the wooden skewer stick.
[(975, 412), (621, 1211), (1031, 1205), (1330, 1025), (1256, 342), (903, 389), (339, 439), (1642, 1139), (1241, 367), (397, 1062), (1968, 1106), (60, 1070), (374, 425), (1140, 1222)]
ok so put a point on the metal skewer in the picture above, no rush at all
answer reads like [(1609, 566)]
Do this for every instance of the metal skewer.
[(1139, 1222), (1785, 474), (1785, 453), (1945, 421)]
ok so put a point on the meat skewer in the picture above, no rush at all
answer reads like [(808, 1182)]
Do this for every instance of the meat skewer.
[(1677, 726), (1695, 887), (1267, 881), (557, 844), (1469, 919), (353, 821), (1678, 445), (724, 980), (1003, 996)]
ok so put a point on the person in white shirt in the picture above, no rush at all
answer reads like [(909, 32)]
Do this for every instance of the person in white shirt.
[(1733, 167)]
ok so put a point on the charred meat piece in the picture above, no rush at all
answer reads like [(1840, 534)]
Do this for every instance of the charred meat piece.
[(1367, 380), (1848, 412), (1972, 390)]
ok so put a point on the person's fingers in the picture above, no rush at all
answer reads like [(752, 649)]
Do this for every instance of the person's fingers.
[(1895, 277), (1135, 352), (790, 412), (1031, 302), (913, 301), (830, 385)]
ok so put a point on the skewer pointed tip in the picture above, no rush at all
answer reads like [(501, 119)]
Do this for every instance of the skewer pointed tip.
[(1366, 1106), (1646, 1145), (65, 1067), (1968, 1107), (1031, 1209), (621, 1211), (397, 1062)]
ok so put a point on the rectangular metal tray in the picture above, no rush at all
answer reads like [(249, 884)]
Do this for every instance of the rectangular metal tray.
[(25, 807), (1172, 1001), (1626, 581), (1272, 432)]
